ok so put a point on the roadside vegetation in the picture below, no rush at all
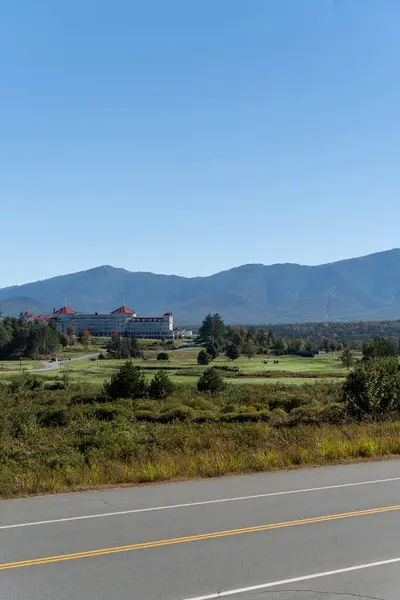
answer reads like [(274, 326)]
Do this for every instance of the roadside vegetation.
[(125, 416)]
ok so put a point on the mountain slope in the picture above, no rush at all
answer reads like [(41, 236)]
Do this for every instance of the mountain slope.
[(363, 288)]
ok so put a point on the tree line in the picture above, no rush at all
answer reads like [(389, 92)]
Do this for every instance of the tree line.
[(22, 339), (357, 331), (216, 337)]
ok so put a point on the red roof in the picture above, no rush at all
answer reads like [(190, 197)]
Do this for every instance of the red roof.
[(65, 310), (41, 318), (25, 313), (123, 310), (169, 314)]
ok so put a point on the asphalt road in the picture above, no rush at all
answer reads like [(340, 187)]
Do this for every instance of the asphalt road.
[(309, 534)]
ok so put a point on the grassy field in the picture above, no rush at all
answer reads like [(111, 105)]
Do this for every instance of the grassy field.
[(8, 366), (62, 433), (182, 368)]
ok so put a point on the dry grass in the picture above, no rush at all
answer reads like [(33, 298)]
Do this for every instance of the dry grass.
[(157, 452)]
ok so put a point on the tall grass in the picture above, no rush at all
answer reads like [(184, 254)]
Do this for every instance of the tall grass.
[(156, 452), (68, 439)]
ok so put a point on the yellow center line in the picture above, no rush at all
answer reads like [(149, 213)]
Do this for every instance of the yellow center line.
[(193, 538)]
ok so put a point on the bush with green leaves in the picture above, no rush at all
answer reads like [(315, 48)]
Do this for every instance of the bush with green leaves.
[(161, 386), (210, 382), (203, 358), (313, 414), (163, 356), (128, 382), (246, 416), (378, 348), (178, 413), (54, 417), (373, 388), (26, 383)]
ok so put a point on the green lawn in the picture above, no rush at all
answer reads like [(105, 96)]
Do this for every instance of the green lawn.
[(183, 368), (8, 366)]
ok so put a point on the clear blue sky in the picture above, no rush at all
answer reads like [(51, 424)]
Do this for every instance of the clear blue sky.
[(189, 137)]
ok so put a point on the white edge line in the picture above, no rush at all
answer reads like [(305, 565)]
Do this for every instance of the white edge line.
[(271, 584), (200, 503)]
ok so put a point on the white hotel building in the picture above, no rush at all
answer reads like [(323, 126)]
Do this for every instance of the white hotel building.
[(122, 320)]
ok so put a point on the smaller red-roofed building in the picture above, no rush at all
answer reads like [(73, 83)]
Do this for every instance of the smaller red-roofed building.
[(41, 319), (25, 314)]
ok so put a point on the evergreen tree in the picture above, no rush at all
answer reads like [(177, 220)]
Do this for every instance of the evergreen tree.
[(161, 386), (233, 336), (206, 329), (135, 350), (232, 352), (219, 328), (203, 358), (210, 382), (212, 350), (212, 329), (128, 382), (347, 357)]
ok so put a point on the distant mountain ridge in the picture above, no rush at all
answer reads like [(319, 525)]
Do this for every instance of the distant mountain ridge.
[(365, 288)]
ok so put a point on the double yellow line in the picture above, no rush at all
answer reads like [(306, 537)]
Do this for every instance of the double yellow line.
[(193, 538)]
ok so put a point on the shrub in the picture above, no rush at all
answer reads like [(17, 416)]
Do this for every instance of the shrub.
[(203, 358), (161, 386), (199, 403), (246, 417), (106, 412), (206, 416), (210, 382), (303, 415), (305, 353), (178, 413), (163, 356), (289, 403), (334, 413), (54, 417), (63, 382), (373, 388), (277, 414), (26, 383), (146, 415), (88, 398), (128, 382)]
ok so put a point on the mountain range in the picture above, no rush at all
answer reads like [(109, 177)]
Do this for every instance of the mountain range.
[(365, 288)]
